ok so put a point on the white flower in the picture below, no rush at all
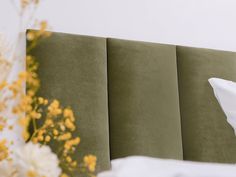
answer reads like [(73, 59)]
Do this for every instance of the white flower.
[(36, 159), (7, 169)]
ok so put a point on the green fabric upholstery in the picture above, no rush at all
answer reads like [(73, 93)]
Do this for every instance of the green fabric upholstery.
[(206, 134), (73, 69), (143, 100), (150, 86)]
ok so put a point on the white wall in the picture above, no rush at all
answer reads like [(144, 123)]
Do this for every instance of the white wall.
[(201, 23)]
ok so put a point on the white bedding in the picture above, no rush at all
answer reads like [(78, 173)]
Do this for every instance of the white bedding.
[(225, 93), (138, 166)]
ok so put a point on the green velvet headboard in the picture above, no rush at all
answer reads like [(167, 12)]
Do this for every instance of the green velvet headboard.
[(206, 134), (139, 98), (73, 69)]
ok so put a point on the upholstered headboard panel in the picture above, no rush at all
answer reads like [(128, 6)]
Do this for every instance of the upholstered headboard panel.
[(139, 98), (143, 100), (206, 134), (73, 69)]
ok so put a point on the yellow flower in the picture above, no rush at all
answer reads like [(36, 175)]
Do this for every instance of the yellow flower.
[(24, 106), (65, 136), (3, 84), (43, 25), (2, 105), (55, 132), (31, 174), (22, 75), (3, 150), (47, 138), (29, 59), (30, 36), (10, 127), (74, 164), (68, 113), (16, 87), (64, 175), (45, 102), (35, 115), (73, 142), (35, 140), (30, 93), (69, 124), (90, 162), (62, 127), (48, 122), (42, 101), (24, 122), (24, 3), (40, 138), (1, 127), (68, 159), (54, 109), (41, 132)]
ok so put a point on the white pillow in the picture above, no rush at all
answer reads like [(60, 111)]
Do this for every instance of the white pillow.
[(225, 92), (138, 166)]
